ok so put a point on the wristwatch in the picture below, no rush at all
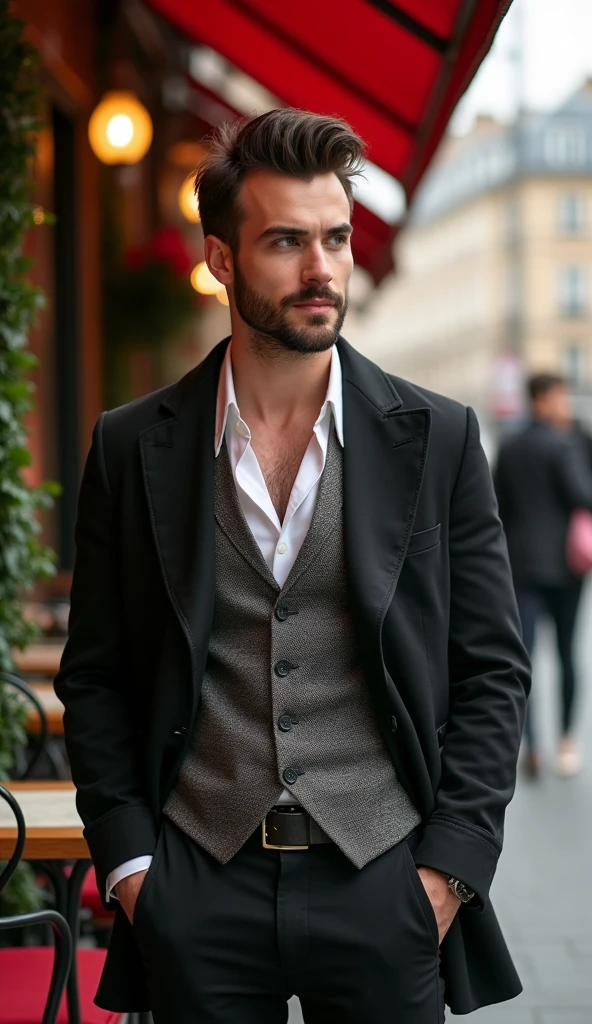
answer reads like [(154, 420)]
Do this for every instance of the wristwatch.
[(460, 890)]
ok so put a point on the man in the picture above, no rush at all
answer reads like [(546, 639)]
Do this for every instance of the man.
[(294, 670), (541, 478)]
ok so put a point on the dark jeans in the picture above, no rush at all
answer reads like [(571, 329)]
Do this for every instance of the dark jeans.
[(229, 944), (561, 604)]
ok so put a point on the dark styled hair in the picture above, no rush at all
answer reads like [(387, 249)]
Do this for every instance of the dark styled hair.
[(291, 141), (541, 383)]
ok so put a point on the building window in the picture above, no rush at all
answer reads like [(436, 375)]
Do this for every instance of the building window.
[(566, 146), (572, 291), (512, 220), (572, 213), (574, 360)]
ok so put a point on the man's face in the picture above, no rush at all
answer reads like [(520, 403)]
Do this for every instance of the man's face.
[(294, 261)]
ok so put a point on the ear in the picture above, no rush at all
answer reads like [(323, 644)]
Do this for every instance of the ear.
[(219, 259)]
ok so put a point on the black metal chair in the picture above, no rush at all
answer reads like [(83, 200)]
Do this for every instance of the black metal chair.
[(62, 937), (37, 741), (41, 743)]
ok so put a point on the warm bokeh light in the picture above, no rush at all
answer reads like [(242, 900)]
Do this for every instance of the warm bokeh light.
[(120, 129), (222, 297), (188, 202), (204, 281)]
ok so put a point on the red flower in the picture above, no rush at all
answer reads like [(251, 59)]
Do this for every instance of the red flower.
[(169, 246)]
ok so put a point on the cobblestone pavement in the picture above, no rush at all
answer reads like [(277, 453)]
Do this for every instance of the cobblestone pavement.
[(543, 888)]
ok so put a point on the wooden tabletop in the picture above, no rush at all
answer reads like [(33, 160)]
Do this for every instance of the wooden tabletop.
[(54, 829), (40, 659), (52, 705)]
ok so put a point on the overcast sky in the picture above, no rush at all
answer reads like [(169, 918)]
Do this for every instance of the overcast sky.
[(557, 56)]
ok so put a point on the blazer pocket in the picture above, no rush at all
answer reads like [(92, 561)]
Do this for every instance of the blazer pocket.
[(423, 540)]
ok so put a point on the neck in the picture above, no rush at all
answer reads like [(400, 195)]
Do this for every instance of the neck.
[(278, 387)]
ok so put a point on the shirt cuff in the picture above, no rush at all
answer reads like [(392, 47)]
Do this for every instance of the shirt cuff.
[(129, 867)]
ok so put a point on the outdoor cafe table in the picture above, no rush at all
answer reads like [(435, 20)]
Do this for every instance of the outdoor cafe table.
[(54, 837), (40, 659), (54, 829)]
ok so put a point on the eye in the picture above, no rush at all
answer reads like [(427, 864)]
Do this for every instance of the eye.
[(338, 239), (286, 243)]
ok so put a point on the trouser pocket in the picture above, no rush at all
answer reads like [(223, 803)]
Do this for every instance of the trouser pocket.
[(423, 900)]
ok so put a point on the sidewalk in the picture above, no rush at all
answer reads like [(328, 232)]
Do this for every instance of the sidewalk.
[(543, 888)]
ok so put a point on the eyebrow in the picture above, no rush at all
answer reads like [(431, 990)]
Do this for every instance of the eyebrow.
[(280, 229)]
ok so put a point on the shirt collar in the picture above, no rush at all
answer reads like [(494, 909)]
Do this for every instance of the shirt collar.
[(226, 400)]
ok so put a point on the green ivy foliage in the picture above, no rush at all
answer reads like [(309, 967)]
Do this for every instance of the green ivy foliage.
[(23, 559)]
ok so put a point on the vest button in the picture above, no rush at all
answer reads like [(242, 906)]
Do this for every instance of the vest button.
[(283, 668), (290, 775), (285, 723), (281, 613), (393, 724)]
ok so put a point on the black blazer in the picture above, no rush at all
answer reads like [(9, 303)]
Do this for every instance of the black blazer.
[(432, 602), (541, 477)]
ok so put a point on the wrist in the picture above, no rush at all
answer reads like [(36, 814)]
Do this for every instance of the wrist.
[(436, 882), (129, 884)]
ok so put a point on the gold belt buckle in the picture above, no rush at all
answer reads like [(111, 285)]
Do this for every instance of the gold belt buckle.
[(271, 846)]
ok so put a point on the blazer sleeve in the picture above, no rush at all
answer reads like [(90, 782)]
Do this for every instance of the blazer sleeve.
[(489, 680), (101, 739)]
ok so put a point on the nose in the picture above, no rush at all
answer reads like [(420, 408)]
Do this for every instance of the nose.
[(317, 269)]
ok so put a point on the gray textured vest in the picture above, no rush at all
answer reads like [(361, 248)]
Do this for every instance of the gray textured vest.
[(284, 699)]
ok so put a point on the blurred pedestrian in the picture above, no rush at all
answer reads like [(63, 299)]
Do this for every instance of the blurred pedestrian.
[(542, 477)]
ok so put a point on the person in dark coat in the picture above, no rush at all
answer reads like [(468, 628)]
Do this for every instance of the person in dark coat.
[(294, 683), (542, 477)]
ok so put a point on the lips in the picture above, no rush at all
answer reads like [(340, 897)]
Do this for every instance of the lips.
[(315, 304)]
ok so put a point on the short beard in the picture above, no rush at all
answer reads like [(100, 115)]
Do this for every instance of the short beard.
[(269, 325)]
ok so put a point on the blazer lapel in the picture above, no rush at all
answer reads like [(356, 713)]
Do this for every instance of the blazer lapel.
[(178, 465), (384, 459)]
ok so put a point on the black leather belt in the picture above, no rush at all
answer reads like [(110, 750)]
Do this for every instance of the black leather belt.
[(291, 828)]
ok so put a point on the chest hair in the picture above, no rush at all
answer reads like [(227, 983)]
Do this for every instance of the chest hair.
[(280, 464)]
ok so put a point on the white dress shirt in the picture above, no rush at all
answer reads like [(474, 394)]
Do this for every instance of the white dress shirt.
[(279, 542)]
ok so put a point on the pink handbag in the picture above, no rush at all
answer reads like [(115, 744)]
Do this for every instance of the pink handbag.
[(579, 542)]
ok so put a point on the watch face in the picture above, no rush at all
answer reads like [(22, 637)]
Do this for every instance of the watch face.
[(460, 890)]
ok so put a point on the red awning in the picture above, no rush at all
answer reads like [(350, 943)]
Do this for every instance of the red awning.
[(394, 69)]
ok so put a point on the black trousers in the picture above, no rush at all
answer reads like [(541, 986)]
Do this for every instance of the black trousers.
[(229, 944), (561, 605)]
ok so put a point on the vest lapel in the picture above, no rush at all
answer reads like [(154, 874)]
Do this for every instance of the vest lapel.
[(231, 518), (327, 513)]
